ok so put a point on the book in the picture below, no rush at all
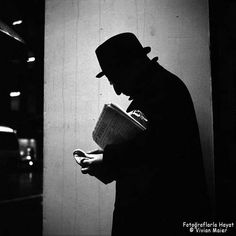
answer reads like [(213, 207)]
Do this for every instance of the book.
[(115, 126)]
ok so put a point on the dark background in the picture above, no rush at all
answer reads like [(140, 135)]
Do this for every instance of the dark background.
[(21, 191), (21, 202), (16, 73), (223, 72)]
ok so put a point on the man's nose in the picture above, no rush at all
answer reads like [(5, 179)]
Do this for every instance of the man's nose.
[(117, 89)]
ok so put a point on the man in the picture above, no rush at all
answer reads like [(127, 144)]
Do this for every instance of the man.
[(159, 173)]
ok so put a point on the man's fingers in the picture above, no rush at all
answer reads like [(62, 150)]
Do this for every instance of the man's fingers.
[(86, 162), (79, 159), (97, 151), (85, 170), (82, 161)]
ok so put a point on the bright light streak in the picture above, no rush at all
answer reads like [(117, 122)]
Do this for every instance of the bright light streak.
[(5, 32), (16, 38), (17, 22), (6, 129), (14, 94), (31, 59)]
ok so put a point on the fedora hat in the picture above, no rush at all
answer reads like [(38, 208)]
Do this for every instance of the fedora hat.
[(119, 50)]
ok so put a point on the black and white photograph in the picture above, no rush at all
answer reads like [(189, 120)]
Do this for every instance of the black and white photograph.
[(118, 117)]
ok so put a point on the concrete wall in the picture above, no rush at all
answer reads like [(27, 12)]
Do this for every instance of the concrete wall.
[(177, 31)]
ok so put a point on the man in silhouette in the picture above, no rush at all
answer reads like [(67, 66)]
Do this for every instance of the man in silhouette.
[(159, 174)]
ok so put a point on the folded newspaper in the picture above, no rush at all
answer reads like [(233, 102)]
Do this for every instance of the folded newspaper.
[(115, 126)]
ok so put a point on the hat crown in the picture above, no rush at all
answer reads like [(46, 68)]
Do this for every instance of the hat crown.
[(117, 50)]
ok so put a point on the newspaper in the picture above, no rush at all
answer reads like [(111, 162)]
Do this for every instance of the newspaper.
[(115, 126)]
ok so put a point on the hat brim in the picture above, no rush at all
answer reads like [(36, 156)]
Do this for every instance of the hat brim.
[(146, 51), (99, 75)]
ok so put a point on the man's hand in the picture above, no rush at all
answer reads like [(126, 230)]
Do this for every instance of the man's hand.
[(80, 155), (89, 165), (89, 161)]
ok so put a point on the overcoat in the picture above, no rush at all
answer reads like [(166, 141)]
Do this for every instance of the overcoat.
[(159, 174)]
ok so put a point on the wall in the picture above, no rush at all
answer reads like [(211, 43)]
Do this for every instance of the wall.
[(177, 31)]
